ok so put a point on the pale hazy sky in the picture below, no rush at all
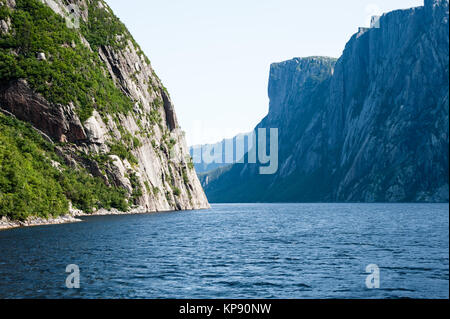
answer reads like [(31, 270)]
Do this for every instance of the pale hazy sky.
[(214, 56)]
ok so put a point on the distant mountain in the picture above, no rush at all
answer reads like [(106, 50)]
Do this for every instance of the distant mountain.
[(208, 157), (372, 126)]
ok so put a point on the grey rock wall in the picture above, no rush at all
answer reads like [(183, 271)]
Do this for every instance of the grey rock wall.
[(370, 127)]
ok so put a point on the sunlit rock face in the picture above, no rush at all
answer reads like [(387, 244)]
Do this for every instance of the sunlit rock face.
[(161, 169), (371, 126)]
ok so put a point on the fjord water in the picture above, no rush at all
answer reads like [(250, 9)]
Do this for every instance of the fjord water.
[(236, 251)]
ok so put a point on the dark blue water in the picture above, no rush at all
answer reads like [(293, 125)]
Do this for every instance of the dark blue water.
[(236, 251)]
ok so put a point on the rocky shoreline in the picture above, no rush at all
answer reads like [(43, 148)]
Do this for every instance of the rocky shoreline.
[(6, 223), (72, 217)]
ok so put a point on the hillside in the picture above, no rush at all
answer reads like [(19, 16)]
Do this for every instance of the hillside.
[(85, 119)]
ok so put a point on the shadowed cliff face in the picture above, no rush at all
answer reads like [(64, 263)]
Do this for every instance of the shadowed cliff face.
[(58, 121), (371, 126), (121, 113)]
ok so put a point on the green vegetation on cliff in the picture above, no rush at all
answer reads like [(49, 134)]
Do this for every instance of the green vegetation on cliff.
[(71, 71), (66, 66), (34, 181)]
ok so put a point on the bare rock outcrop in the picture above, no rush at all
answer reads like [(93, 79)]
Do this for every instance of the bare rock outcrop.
[(58, 121)]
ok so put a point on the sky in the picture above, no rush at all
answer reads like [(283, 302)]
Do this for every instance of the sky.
[(214, 56)]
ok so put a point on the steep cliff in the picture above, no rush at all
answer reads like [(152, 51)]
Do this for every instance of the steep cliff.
[(372, 126), (91, 93)]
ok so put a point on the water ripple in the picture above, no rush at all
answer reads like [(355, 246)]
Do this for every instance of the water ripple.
[(236, 251)]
